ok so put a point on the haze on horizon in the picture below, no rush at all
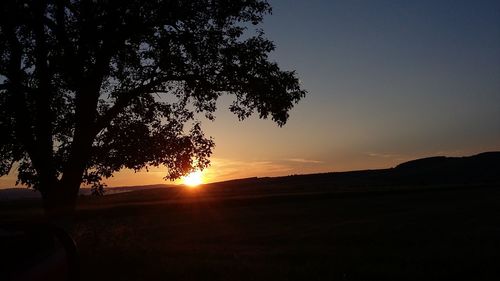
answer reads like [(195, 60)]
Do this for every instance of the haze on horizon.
[(388, 81)]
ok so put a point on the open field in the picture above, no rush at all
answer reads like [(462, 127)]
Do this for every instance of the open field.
[(397, 235)]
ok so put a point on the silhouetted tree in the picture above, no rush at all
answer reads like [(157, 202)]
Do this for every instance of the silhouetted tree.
[(88, 87)]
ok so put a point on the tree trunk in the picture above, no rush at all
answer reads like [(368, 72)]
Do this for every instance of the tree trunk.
[(59, 202)]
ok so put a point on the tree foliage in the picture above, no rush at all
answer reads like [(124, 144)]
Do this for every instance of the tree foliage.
[(91, 87)]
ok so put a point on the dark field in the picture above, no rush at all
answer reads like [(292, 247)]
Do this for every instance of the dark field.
[(442, 234)]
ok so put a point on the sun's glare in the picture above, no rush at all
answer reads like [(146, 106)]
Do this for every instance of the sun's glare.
[(193, 179)]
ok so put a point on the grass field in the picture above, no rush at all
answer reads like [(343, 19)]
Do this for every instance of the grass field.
[(420, 235), (441, 234)]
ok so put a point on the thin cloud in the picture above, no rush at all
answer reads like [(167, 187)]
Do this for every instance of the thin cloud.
[(305, 161), (222, 169), (395, 158), (383, 155)]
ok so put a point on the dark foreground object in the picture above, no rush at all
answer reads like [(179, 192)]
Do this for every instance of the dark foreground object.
[(37, 251), (418, 235)]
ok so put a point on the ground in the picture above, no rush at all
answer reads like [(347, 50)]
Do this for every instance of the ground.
[(417, 234)]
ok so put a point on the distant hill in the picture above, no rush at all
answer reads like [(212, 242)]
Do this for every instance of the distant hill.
[(26, 193), (18, 193), (479, 169)]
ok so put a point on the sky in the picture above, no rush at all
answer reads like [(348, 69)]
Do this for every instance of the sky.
[(387, 82)]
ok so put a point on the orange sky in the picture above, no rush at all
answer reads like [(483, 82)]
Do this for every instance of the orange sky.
[(260, 148)]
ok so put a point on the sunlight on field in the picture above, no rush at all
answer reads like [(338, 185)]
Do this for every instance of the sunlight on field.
[(193, 179)]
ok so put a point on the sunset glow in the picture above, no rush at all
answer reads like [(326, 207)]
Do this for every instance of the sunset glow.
[(193, 179)]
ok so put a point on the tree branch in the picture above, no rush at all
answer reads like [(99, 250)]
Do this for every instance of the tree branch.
[(60, 31), (14, 75), (43, 97), (123, 100)]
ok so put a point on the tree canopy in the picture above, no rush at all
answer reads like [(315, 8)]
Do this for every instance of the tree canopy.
[(89, 87)]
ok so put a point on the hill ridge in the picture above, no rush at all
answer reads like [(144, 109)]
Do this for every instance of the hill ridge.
[(482, 168)]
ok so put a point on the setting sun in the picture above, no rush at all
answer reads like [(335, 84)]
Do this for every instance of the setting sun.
[(193, 179)]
